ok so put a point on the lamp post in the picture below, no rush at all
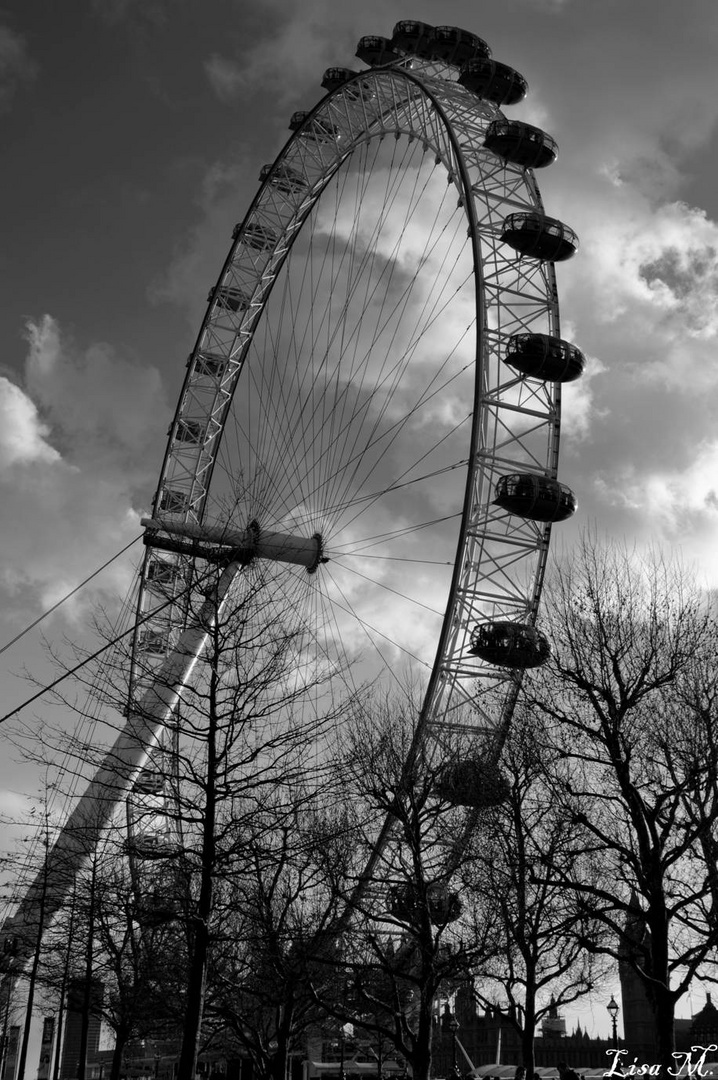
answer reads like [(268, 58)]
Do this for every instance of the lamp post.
[(342, 1072), (342, 1035), (613, 1011), (453, 1026)]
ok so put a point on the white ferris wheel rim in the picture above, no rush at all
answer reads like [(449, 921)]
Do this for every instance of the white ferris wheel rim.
[(496, 559), (515, 421)]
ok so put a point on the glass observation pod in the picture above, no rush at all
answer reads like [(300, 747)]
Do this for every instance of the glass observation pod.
[(156, 908), (521, 144), (496, 82), (375, 50), (152, 642), (10, 946), (318, 130), (413, 37), (456, 46), (229, 297), (472, 783), (510, 644), (173, 501), (163, 575), (208, 364), (189, 431), (542, 356), (152, 846), (539, 236), (283, 178), (149, 783), (443, 904), (255, 236), (538, 498), (334, 77)]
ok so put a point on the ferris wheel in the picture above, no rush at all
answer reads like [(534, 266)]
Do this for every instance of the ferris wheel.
[(373, 400), (371, 411)]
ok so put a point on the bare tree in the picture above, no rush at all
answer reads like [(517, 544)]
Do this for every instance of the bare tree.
[(543, 961), (278, 923), (405, 942), (247, 754), (629, 699), (204, 764)]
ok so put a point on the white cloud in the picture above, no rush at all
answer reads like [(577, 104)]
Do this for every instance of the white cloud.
[(678, 505), (578, 409), (100, 404), (305, 38), (225, 77), (23, 435), (275, 65), (80, 446), (672, 496), (661, 264), (16, 66)]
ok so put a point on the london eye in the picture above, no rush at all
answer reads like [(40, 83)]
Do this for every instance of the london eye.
[(370, 415)]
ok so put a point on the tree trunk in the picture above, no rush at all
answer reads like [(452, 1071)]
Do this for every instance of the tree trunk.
[(664, 1009), (421, 1055), (116, 1065), (528, 1028), (187, 1066)]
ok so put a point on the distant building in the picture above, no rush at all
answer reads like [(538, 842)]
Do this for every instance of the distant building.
[(73, 1026), (491, 1036), (638, 1026), (704, 1027), (553, 1025), (638, 1023)]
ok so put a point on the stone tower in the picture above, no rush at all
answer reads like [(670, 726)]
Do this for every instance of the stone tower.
[(704, 1029), (638, 1026)]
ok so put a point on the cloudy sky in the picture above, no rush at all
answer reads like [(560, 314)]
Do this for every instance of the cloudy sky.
[(133, 132)]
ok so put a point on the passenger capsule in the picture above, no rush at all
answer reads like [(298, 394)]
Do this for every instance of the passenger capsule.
[(149, 783), (495, 82), (538, 498), (209, 364), (542, 356), (456, 46), (334, 77), (357, 89), (539, 237), (283, 178), (189, 431), (156, 909), (162, 575), (152, 642), (173, 501), (229, 298), (297, 119), (444, 906), (472, 783), (255, 236), (319, 129), (413, 37), (510, 644), (375, 50), (521, 144), (152, 846)]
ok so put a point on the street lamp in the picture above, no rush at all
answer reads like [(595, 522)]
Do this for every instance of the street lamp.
[(452, 1025), (613, 1011), (342, 1072)]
